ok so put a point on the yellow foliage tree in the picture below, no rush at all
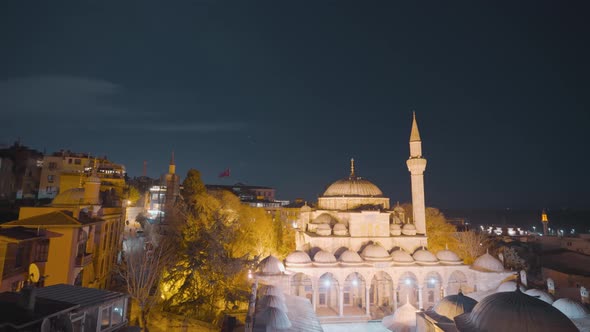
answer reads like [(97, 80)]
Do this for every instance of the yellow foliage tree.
[(441, 234)]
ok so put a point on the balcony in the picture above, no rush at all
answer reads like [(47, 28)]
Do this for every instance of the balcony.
[(83, 260)]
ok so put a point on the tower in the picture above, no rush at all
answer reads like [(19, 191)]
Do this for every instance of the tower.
[(416, 166), (545, 222)]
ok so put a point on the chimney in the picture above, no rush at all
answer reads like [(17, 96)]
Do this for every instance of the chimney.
[(27, 298)]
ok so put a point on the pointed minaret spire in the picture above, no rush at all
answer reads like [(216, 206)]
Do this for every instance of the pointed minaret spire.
[(352, 167), (416, 165), (415, 134)]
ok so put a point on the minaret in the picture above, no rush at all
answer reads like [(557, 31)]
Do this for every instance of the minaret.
[(416, 166), (545, 222), (352, 168)]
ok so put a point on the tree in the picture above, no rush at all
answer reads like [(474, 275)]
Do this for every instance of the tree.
[(471, 244), (512, 259), (215, 237), (132, 195), (141, 271), (440, 232)]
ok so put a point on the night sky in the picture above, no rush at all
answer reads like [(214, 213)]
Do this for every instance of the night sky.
[(286, 92)]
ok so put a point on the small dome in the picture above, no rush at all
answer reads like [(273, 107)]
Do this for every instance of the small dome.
[(454, 305), (324, 257), (325, 218), (541, 295), (423, 256), (73, 196), (298, 258), (409, 229), (402, 320), (402, 257), (340, 229), (399, 209), (274, 319), (351, 257), (448, 257), (570, 308), (323, 230), (487, 263), (395, 229), (271, 265), (353, 186), (375, 252), (513, 311), (509, 286)]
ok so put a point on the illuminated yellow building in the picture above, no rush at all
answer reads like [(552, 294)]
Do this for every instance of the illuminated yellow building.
[(65, 170), (90, 223)]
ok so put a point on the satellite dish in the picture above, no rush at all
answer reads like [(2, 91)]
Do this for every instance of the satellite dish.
[(34, 273)]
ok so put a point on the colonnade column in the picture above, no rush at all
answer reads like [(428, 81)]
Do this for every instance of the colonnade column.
[(315, 298), (367, 301), (394, 299), (444, 291), (420, 302), (341, 301)]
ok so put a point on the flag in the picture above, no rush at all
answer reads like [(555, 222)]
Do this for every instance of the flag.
[(224, 173)]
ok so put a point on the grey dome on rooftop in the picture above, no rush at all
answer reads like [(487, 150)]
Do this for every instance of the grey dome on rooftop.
[(514, 311)]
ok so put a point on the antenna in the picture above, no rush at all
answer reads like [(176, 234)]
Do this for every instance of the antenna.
[(34, 273)]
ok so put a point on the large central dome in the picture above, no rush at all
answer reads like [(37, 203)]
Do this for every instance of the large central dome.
[(353, 187), (352, 192)]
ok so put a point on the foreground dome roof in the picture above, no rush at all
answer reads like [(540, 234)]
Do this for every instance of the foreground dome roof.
[(571, 308), (541, 295), (353, 186), (488, 263), (509, 286), (271, 265), (454, 305), (403, 319), (514, 311)]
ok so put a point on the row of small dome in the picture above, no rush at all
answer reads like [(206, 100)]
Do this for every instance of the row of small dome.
[(512, 307), (371, 253), (508, 309), (323, 227)]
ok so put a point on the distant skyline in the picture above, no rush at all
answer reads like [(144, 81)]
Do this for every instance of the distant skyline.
[(286, 93)]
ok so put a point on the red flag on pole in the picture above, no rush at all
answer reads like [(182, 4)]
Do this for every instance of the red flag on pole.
[(225, 173)]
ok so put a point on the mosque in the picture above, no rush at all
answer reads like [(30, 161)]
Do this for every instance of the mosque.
[(358, 258)]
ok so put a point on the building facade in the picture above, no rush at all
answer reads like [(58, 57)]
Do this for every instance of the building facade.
[(359, 258)]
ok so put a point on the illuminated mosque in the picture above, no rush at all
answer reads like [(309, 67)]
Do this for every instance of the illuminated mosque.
[(358, 259)]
